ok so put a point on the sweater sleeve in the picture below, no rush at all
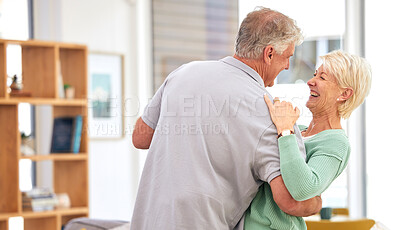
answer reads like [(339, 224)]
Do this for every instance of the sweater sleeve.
[(303, 180)]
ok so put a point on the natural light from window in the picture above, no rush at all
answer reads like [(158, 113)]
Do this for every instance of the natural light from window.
[(14, 25), (14, 19)]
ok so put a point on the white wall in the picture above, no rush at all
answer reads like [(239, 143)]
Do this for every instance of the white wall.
[(108, 26), (382, 116)]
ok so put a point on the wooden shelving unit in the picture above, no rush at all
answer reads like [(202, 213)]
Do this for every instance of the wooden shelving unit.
[(57, 157), (40, 101), (70, 171)]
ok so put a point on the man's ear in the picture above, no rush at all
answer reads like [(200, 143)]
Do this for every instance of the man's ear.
[(346, 94), (268, 54)]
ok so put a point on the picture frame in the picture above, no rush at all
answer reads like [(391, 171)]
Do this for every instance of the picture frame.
[(105, 95)]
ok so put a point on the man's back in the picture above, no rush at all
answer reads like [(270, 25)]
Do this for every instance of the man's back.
[(214, 145)]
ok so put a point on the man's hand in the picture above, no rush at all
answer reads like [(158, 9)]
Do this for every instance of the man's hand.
[(289, 205), (142, 135)]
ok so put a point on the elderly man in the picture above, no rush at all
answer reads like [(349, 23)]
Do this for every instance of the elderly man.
[(210, 136)]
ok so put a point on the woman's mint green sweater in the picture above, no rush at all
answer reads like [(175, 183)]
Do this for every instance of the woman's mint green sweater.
[(327, 156)]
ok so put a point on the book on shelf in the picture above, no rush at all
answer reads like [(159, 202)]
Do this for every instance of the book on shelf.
[(39, 204), (67, 132), (38, 200), (37, 192)]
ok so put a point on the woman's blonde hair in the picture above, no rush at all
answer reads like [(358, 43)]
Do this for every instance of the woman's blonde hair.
[(350, 71), (264, 27)]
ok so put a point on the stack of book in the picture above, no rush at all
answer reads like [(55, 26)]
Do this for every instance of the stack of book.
[(38, 200)]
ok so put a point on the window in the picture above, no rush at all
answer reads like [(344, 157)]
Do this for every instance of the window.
[(185, 31), (14, 23)]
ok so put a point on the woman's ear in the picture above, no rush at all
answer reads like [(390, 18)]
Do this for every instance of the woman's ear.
[(268, 54), (346, 94)]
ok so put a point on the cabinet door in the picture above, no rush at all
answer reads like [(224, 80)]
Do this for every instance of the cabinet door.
[(41, 223)]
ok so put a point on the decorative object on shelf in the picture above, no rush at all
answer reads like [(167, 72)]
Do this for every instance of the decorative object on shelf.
[(63, 200), (27, 145), (16, 88), (66, 136), (39, 200), (69, 91), (16, 83), (105, 90)]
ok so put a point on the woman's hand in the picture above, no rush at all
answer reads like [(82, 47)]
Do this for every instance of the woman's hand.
[(282, 114)]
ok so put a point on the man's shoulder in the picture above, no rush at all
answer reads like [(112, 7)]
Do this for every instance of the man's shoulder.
[(207, 64)]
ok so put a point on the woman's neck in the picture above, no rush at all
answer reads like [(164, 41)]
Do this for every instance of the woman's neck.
[(320, 123)]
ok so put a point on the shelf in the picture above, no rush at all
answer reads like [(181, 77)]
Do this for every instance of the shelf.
[(5, 216), (44, 101), (57, 157), (62, 212), (41, 43), (28, 43)]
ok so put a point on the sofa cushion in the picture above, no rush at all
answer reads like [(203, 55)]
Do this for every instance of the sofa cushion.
[(96, 224)]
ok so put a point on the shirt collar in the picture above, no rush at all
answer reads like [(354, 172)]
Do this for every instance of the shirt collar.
[(245, 68)]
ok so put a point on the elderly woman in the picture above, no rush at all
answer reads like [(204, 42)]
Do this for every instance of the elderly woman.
[(339, 86)]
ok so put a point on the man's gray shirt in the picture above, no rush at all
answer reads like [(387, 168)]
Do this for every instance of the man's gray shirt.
[(214, 145)]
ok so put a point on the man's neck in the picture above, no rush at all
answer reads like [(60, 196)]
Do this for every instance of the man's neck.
[(256, 65), (250, 62)]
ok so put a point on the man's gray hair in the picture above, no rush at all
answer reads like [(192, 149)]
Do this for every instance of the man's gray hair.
[(264, 27)]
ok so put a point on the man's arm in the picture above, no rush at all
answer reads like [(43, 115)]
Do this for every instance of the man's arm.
[(289, 205), (142, 135)]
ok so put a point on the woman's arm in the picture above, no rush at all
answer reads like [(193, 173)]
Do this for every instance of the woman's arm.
[(303, 180)]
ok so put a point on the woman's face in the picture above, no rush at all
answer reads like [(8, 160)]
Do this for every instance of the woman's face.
[(324, 92)]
